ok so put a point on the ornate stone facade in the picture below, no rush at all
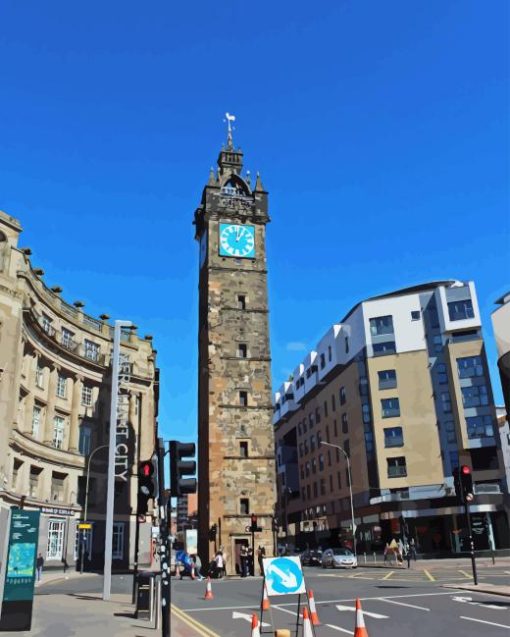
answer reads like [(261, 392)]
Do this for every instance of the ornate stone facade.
[(55, 409), (236, 445)]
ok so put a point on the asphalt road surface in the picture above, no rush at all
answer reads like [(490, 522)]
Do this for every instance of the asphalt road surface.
[(396, 603)]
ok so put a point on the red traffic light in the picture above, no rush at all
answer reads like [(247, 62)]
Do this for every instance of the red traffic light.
[(465, 469), (146, 469)]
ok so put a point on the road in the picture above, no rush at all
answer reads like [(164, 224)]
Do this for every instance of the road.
[(398, 602)]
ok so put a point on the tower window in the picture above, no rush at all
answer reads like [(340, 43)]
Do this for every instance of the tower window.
[(244, 506), (242, 350), (241, 301), (243, 398), (243, 448)]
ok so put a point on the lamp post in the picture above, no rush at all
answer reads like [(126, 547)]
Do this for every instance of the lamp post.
[(86, 507), (350, 488)]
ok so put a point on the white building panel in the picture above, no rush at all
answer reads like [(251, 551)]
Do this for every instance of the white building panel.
[(311, 369), (409, 332), (299, 384)]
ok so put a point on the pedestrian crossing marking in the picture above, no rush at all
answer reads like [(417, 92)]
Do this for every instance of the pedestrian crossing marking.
[(431, 578), (388, 575)]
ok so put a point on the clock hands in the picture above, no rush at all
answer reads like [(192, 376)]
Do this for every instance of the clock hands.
[(239, 233)]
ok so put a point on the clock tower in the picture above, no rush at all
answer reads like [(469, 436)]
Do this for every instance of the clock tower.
[(236, 465)]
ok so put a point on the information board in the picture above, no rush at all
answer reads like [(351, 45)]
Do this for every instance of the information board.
[(20, 574)]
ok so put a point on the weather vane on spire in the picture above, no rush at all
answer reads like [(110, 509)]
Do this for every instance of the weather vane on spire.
[(229, 119)]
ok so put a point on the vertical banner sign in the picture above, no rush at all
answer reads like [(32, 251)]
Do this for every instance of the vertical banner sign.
[(122, 431), (20, 572)]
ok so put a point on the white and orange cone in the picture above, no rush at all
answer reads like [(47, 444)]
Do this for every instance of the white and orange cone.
[(313, 610), (359, 627), (208, 590), (307, 624), (265, 600), (255, 630)]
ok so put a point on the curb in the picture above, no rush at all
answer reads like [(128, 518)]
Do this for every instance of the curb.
[(476, 589)]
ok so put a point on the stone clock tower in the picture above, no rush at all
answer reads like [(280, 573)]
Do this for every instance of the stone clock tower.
[(236, 466)]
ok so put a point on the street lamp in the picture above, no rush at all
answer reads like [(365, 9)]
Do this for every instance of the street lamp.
[(85, 508), (350, 488)]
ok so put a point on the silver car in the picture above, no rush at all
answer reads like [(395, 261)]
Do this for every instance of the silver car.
[(339, 558)]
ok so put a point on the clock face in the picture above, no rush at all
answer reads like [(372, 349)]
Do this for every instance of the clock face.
[(237, 241)]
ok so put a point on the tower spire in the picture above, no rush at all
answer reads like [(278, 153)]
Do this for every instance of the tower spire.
[(229, 119)]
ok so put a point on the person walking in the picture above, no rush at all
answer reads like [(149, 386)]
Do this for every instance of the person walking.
[(198, 567), (412, 549), (220, 563), (39, 566), (244, 560), (261, 554)]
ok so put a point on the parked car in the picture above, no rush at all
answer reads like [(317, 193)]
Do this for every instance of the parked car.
[(311, 558), (339, 558)]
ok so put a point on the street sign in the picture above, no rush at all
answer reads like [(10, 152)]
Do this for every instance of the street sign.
[(284, 575), (85, 525)]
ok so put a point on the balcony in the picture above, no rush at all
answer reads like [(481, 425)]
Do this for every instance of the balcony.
[(397, 472)]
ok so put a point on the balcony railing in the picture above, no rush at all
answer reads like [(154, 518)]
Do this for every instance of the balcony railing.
[(397, 472)]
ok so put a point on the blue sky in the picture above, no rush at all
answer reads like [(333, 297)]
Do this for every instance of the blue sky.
[(380, 130)]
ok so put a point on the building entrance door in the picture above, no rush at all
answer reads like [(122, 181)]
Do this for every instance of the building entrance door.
[(238, 543)]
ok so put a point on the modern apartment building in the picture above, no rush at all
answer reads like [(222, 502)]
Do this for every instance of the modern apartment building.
[(401, 387), (55, 397)]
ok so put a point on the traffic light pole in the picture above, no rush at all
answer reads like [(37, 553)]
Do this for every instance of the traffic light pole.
[(471, 542), (165, 550)]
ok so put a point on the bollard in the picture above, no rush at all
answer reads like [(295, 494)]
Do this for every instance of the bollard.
[(493, 557), (365, 557), (375, 557)]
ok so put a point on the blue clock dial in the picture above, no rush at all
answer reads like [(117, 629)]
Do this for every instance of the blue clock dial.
[(237, 241)]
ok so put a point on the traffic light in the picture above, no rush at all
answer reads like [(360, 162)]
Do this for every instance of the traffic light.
[(180, 467), (147, 484), (276, 525), (466, 480), (253, 526), (212, 532), (463, 483)]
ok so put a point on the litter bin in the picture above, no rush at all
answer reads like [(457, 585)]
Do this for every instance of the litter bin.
[(145, 586)]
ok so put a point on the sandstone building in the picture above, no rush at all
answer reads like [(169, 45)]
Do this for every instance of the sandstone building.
[(401, 386), (55, 365), (236, 470)]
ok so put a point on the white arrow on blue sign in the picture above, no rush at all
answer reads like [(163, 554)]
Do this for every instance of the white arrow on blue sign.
[(284, 576)]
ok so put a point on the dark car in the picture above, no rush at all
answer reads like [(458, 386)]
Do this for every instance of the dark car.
[(311, 558)]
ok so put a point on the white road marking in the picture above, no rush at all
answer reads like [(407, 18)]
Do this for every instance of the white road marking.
[(391, 601), (469, 600), (365, 612), (246, 617), (342, 630), (481, 621), (284, 610)]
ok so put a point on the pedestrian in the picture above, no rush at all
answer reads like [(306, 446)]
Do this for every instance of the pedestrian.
[(198, 567), (65, 565), (220, 563), (244, 560), (261, 554), (251, 570), (412, 549), (400, 554), (39, 565), (387, 552)]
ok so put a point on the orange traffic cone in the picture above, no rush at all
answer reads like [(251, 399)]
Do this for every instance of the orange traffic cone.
[(307, 625), (208, 590), (255, 630), (265, 600), (359, 627), (313, 611)]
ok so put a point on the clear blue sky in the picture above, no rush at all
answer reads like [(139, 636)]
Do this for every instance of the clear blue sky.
[(380, 129)]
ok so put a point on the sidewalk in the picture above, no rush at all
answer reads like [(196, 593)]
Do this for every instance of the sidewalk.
[(421, 564), (493, 589), (87, 615)]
